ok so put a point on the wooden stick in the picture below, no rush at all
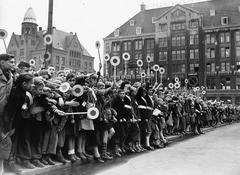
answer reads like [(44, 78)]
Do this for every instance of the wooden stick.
[(75, 113)]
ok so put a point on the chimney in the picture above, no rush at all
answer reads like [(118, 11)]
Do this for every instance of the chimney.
[(71, 33), (143, 7), (40, 29)]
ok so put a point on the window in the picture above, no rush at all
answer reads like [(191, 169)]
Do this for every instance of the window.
[(237, 51), (225, 66), (57, 60), (85, 65), (225, 37), (178, 41), (237, 36), (151, 56), (212, 39), (194, 40), (174, 41), (22, 42), (162, 55), (174, 55), (116, 47), (182, 42), (13, 53), (225, 52), (162, 27), (194, 68), (178, 26), (21, 52), (207, 38), (150, 44), (63, 61), (213, 67), (163, 42), (138, 56), (224, 20), (132, 22), (138, 30), (194, 54), (178, 55), (138, 45), (127, 45), (222, 38), (153, 19), (210, 53), (191, 54), (90, 65), (116, 33), (194, 24), (208, 67), (178, 68), (212, 12)]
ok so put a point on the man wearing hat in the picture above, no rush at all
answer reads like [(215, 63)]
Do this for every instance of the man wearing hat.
[(6, 82)]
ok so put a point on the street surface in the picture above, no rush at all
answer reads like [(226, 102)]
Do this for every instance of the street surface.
[(214, 153)]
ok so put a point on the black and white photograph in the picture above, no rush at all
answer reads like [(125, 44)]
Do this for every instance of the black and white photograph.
[(120, 87)]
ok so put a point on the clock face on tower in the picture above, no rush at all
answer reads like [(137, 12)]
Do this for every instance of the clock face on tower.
[(75, 44)]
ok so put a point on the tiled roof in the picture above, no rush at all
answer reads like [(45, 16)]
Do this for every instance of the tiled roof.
[(18, 38), (222, 8), (142, 19), (61, 40)]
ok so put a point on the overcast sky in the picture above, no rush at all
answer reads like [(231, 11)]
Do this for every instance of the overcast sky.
[(92, 20)]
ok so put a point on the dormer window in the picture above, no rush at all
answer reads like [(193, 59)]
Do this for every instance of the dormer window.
[(138, 30), (116, 33), (153, 19), (132, 22), (224, 20), (212, 12)]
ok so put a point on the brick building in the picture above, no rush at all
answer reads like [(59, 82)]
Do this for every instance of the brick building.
[(197, 39), (67, 53)]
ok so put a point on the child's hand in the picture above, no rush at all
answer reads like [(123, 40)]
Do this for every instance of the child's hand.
[(59, 112)]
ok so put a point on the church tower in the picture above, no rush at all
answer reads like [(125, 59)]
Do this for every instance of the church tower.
[(29, 24), (29, 34)]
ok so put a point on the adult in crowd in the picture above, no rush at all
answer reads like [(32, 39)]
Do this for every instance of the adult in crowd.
[(6, 83)]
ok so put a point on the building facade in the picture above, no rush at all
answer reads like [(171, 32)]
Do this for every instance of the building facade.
[(67, 52), (198, 39)]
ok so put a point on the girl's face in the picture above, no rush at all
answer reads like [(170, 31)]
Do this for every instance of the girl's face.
[(71, 81)]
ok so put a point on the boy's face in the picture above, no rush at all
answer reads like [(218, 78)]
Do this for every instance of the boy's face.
[(150, 91), (24, 70), (72, 81), (38, 90), (51, 70), (121, 94), (27, 86), (61, 75)]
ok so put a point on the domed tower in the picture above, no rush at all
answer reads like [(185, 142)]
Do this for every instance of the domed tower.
[(29, 24)]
